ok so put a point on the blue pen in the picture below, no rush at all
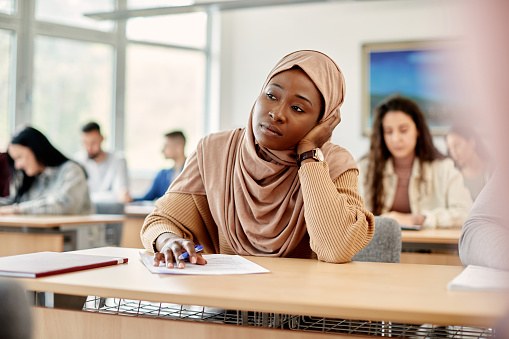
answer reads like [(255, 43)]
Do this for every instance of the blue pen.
[(185, 255)]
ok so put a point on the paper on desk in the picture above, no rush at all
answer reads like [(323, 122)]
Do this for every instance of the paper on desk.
[(217, 264), (480, 278)]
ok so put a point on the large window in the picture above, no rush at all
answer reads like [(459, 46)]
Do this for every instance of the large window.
[(138, 80), (165, 85), (164, 92), (8, 6), (70, 12), (182, 29), (72, 85), (6, 95)]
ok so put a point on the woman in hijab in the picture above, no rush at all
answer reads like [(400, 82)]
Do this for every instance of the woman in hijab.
[(275, 188), (45, 181)]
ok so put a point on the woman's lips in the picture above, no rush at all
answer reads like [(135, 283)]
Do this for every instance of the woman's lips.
[(270, 130)]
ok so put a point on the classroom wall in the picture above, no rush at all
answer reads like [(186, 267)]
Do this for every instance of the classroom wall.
[(253, 40)]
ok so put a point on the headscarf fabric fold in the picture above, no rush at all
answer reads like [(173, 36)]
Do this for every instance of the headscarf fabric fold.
[(257, 204)]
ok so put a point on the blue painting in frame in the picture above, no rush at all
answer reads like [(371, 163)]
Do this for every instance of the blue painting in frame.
[(417, 70)]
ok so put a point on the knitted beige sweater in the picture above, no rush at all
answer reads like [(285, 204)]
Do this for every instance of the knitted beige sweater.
[(338, 225)]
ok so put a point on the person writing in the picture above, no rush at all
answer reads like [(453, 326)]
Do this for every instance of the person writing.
[(404, 176), (173, 149), (275, 188), (470, 157), (45, 181)]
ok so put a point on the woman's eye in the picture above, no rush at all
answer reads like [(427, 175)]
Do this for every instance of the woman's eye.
[(271, 96), (297, 109)]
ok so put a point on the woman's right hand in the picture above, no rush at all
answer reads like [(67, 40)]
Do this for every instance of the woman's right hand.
[(171, 246)]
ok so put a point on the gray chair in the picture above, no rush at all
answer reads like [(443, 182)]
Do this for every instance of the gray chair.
[(15, 312), (385, 246), (113, 231)]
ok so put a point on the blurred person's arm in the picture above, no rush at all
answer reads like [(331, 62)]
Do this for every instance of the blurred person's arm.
[(152, 194), (484, 238)]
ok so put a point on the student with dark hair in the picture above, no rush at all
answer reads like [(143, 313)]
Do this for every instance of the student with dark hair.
[(45, 181), (404, 176), (173, 149), (470, 157)]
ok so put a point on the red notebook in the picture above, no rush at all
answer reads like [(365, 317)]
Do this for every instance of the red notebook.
[(42, 264)]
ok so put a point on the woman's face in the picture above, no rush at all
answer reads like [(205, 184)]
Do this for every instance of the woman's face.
[(286, 110), (400, 134), (460, 149), (24, 159)]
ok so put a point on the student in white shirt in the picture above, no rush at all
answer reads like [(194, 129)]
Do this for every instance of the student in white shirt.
[(107, 171)]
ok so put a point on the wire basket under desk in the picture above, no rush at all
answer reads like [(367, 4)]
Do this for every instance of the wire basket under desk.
[(139, 308)]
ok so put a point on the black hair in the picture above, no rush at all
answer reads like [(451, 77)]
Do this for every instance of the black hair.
[(91, 126), (176, 135), (44, 153)]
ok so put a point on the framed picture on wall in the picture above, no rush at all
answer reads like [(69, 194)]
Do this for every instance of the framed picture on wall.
[(416, 70)]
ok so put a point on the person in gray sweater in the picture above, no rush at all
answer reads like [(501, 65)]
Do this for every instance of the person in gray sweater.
[(44, 180), (484, 238)]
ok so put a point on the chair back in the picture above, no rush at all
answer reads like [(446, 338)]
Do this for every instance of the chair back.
[(385, 246)]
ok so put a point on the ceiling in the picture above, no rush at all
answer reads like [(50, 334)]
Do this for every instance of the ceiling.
[(199, 6)]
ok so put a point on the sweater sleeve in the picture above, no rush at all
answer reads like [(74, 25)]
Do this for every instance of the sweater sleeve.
[(337, 222), (177, 213)]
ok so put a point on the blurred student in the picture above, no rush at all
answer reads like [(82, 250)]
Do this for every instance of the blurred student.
[(404, 176), (470, 157), (107, 171), (44, 180), (173, 149), (485, 234)]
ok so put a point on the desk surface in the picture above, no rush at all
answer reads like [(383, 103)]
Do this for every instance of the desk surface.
[(48, 221), (433, 236), (357, 290)]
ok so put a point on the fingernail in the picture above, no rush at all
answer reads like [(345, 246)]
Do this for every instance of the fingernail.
[(193, 260), (181, 265)]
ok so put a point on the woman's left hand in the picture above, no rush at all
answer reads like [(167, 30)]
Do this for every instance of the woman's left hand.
[(318, 135)]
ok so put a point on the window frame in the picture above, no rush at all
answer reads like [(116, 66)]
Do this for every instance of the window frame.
[(26, 28)]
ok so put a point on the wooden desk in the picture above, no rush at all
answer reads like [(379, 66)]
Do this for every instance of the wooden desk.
[(356, 290), (442, 243), (136, 214), (31, 233)]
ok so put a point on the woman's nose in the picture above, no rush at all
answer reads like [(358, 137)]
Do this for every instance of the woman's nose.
[(277, 115)]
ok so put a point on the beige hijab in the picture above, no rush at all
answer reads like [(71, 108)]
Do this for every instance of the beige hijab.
[(258, 204)]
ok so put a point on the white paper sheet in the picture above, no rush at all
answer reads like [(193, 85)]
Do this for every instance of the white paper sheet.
[(217, 264), (480, 278)]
